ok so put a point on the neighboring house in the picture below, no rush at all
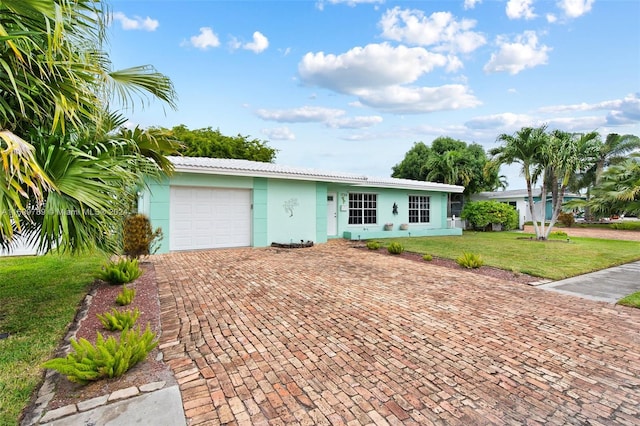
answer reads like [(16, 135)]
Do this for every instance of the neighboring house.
[(518, 198), (20, 247), (216, 203)]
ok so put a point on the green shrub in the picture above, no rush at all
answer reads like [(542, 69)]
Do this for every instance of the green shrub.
[(373, 245), (395, 248), (626, 226), (558, 234), (122, 272), (139, 238), (470, 260), (427, 257), (116, 320), (481, 214), (567, 219), (107, 358), (125, 297)]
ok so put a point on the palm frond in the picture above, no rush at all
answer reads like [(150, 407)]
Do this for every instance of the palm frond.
[(142, 81)]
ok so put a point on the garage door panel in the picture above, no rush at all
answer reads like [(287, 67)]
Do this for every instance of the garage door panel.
[(209, 218)]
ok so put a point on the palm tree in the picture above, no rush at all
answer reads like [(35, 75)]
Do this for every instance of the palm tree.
[(56, 87), (96, 171), (565, 155), (612, 151), (619, 188), (524, 147), (453, 168)]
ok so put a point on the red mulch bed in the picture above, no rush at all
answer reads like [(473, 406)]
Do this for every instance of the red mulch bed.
[(150, 370), (486, 271)]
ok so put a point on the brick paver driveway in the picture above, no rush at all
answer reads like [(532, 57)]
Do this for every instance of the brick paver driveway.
[(338, 335)]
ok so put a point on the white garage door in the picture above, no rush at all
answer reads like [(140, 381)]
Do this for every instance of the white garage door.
[(204, 218)]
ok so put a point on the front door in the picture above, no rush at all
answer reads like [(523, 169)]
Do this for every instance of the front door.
[(332, 214)]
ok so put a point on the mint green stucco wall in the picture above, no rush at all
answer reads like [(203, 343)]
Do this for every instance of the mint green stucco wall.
[(438, 224), (321, 212), (285, 211), (291, 211), (260, 213), (154, 202)]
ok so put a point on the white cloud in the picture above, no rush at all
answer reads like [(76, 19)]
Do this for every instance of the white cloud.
[(617, 111), (576, 124), (375, 65), (136, 23), (377, 75), (259, 43), (304, 114), (279, 134), (551, 18), (454, 64), (571, 118), (518, 55), (358, 122), (234, 43), (517, 9), (206, 39), (330, 117), (575, 8), (320, 4), (470, 4), (502, 122), (414, 100), (440, 30)]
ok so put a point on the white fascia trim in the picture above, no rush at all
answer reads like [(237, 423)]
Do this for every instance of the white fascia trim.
[(435, 187), (264, 174), (355, 181)]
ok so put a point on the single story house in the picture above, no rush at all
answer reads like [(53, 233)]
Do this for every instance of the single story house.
[(218, 203), (519, 199)]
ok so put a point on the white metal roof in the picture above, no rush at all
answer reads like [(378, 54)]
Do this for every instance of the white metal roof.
[(514, 193), (225, 166)]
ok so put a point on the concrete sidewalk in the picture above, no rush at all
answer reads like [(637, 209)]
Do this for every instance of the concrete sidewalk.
[(607, 285), (159, 408)]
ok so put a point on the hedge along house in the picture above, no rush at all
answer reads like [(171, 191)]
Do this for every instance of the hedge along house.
[(220, 203), (519, 199)]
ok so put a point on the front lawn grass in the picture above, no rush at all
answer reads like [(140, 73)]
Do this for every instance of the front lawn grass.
[(513, 251), (632, 300), (39, 297)]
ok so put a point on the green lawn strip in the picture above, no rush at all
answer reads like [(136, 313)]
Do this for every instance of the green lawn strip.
[(632, 300), (554, 259), (39, 297)]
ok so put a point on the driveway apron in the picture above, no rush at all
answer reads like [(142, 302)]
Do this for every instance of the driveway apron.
[(339, 335)]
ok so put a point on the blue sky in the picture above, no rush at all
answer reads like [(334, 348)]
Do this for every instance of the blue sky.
[(350, 85)]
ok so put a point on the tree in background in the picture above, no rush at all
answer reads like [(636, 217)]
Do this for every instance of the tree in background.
[(413, 166), (549, 158), (211, 143), (525, 148), (566, 155), (64, 168), (618, 191), (612, 151), (453, 162), (449, 161)]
